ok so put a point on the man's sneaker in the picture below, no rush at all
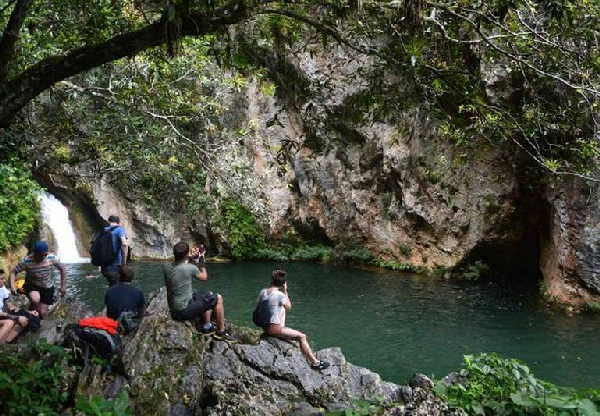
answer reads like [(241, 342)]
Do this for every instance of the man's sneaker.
[(208, 328), (319, 365), (224, 336)]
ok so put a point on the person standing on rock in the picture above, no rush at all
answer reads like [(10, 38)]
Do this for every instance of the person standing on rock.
[(187, 305), (270, 313), (120, 249), (39, 280)]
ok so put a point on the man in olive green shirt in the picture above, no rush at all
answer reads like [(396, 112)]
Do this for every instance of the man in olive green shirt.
[(184, 303)]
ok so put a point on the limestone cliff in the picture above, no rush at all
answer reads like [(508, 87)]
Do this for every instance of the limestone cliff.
[(380, 175)]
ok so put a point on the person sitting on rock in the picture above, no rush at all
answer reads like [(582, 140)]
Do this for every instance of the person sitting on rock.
[(14, 322), (186, 305), (273, 304), (124, 302), (4, 292), (39, 280)]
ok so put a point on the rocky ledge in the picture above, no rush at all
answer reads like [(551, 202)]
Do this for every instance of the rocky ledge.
[(171, 369)]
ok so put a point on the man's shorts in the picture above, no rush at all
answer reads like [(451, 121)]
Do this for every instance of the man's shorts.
[(46, 293), (200, 303)]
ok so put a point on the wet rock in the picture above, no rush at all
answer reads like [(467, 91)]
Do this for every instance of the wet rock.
[(421, 381)]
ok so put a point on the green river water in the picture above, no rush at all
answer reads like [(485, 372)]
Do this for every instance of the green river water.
[(398, 324)]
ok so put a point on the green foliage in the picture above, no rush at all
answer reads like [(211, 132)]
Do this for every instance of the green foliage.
[(243, 234), (498, 386), (361, 408), (19, 206), (312, 253), (593, 307), (473, 271), (364, 256), (99, 406), (271, 253), (395, 265), (358, 255), (32, 385), (405, 250), (298, 252)]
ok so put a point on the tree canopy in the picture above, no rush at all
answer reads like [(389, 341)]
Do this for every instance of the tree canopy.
[(511, 71)]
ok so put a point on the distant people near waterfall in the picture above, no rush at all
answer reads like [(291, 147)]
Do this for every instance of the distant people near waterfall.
[(198, 254), (124, 302), (270, 313), (109, 249), (187, 305), (39, 279)]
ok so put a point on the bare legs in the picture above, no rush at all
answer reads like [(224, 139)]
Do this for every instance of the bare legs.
[(282, 332), (36, 305), (219, 310), (9, 329)]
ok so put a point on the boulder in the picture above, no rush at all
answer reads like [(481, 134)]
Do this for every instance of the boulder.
[(174, 370)]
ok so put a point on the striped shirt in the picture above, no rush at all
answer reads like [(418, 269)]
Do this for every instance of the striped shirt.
[(38, 274)]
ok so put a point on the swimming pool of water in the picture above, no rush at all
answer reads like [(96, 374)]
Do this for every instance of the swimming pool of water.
[(398, 324)]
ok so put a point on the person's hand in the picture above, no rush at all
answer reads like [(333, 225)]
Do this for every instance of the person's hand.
[(285, 287), (21, 320), (63, 292)]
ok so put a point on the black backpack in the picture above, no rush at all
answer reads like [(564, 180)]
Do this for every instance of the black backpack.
[(102, 251), (92, 341), (261, 315)]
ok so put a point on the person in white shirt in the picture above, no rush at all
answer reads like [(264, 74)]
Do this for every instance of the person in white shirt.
[(275, 303), (4, 292)]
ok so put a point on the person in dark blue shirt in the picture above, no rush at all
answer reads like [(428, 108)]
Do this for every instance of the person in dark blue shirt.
[(124, 299), (120, 246)]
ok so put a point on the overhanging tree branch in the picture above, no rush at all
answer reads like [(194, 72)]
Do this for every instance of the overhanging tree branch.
[(16, 93), (11, 34)]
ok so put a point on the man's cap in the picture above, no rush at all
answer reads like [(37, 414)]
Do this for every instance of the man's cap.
[(40, 247)]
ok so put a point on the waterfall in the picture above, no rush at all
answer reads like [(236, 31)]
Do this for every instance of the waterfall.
[(56, 217)]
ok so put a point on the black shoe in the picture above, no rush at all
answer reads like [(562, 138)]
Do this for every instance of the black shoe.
[(208, 328), (319, 365), (224, 336)]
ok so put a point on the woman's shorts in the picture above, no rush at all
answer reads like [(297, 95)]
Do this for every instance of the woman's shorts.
[(200, 303), (46, 293)]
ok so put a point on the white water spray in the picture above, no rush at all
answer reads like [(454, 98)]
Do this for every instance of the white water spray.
[(56, 216)]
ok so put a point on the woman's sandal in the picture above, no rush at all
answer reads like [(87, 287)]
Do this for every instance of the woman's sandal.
[(319, 365)]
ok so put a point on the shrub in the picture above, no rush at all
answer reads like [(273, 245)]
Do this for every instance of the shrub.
[(99, 406), (32, 385), (243, 234), (19, 206), (312, 253), (474, 270), (358, 254), (271, 253), (593, 307), (499, 386)]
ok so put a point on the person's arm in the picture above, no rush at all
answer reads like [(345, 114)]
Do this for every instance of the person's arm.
[(202, 274), (13, 276), (286, 302), (63, 277), (124, 249)]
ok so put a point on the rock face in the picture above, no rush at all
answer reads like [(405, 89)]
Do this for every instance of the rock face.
[(173, 370), (379, 176), (570, 250)]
